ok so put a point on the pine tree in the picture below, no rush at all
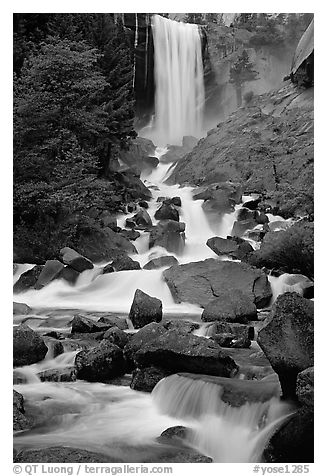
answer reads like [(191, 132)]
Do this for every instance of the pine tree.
[(241, 72)]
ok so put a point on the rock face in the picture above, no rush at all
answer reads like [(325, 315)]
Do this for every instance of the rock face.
[(230, 306), (147, 378), (170, 235), (287, 339), (183, 352), (19, 419), (28, 346), (28, 279), (201, 281), (305, 387), (50, 271), (75, 260), (101, 363), (145, 309), (157, 263)]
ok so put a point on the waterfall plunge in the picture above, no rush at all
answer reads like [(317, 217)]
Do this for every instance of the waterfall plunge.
[(179, 97)]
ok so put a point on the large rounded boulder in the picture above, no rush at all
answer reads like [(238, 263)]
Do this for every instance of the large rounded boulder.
[(28, 346), (75, 260), (287, 339), (230, 306)]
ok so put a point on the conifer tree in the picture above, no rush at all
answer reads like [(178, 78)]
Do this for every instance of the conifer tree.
[(241, 72)]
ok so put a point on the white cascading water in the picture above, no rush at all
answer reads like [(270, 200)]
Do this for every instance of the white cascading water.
[(178, 69)]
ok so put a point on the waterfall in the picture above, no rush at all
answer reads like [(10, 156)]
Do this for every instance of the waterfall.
[(231, 426), (179, 96), (135, 46)]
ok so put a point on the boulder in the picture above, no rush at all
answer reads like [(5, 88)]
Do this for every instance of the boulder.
[(82, 324), (69, 274), (50, 271), (261, 218), (245, 214), (145, 309), (66, 374), (252, 204), (176, 201), (62, 455), (201, 281), (238, 330), (125, 263), (305, 387), (162, 261), (143, 204), (108, 220), (167, 212), (134, 185), (231, 341), (230, 306), (108, 269), (113, 321), (20, 422), (75, 260), (101, 363), (20, 308), (146, 379), (184, 352), (240, 227), (140, 338), (293, 442), (279, 225), (28, 346), (232, 192), (300, 284), (229, 246), (130, 234), (170, 235), (287, 339), (221, 203), (28, 279), (142, 218), (116, 336), (174, 433)]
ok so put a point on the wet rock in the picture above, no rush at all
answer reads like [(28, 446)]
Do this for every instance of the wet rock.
[(143, 204), (140, 338), (62, 454), (112, 321), (20, 308), (142, 218), (125, 263), (170, 235), (230, 306), (135, 186), (176, 201), (28, 279), (180, 325), (66, 374), (279, 225), (160, 262), (130, 234), (287, 339), (69, 274), (229, 246), (184, 352), (130, 223), (108, 269), (108, 220), (145, 309), (55, 347), (174, 433), (245, 214), (82, 324), (240, 343), (220, 203), (232, 193), (294, 441), (75, 260), (202, 281), (50, 271), (305, 387), (261, 218), (146, 379), (238, 330), (252, 204), (28, 346), (116, 336), (300, 284), (101, 363), (240, 227), (20, 422), (167, 212)]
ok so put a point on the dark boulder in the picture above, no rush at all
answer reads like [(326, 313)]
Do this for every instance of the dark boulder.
[(125, 263), (245, 214), (116, 336), (28, 346), (143, 204), (62, 454), (20, 308), (261, 218), (174, 433), (146, 379), (112, 321), (142, 218), (82, 324), (140, 338), (101, 363), (28, 279), (108, 220), (176, 201), (238, 249), (50, 271), (287, 339), (69, 274), (75, 260), (20, 422), (201, 281), (305, 387), (170, 235), (167, 212), (162, 261), (145, 309), (130, 234), (184, 352), (108, 269), (230, 306), (231, 341), (134, 185), (252, 204), (294, 441), (130, 223), (240, 227), (66, 374)]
